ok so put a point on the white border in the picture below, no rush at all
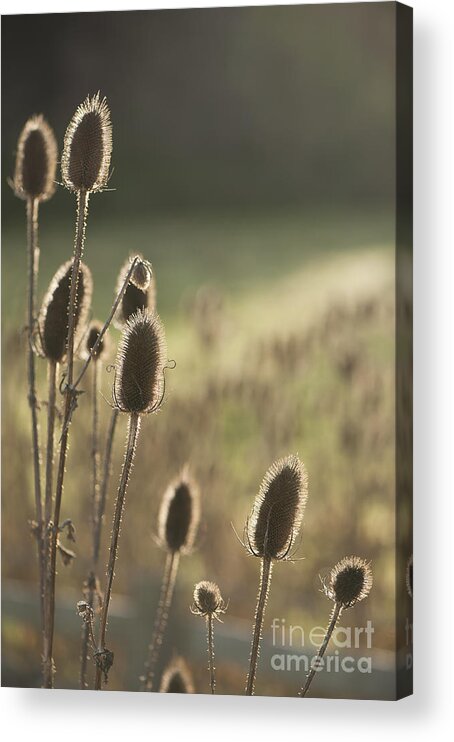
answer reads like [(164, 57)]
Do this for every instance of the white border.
[(81, 716)]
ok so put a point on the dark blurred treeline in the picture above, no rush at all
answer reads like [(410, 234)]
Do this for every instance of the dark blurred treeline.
[(238, 108)]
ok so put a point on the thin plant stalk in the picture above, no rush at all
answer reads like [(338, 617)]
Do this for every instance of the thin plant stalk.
[(107, 468), (51, 402), (92, 576), (132, 436), (335, 615), (265, 581), (33, 264), (210, 641), (162, 615), (69, 404)]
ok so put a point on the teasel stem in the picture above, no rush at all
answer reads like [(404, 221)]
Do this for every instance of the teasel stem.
[(335, 615), (91, 579), (210, 641), (107, 468), (265, 581), (51, 402), (33, 264), (162, 615), (70, 400), (102, 665)]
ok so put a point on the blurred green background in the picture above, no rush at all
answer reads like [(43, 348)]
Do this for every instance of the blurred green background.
[(253, 164)]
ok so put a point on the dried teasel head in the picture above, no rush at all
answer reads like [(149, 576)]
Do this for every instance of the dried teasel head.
[(350, 581), (36, 161), (177, 678), (87, 147), (208, 600), (409, 576), (277, 513), (102, 349), (179, 515), (53, 315), (140, 293), (141, 362)]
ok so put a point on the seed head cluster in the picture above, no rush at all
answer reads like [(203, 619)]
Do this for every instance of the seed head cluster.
[(87, 147), (141, 360), (140, 293), (208, 600), (177, 678), (36, 161), (93, 334), (350, 581), (53, 316), (179, 515), (277, 513)]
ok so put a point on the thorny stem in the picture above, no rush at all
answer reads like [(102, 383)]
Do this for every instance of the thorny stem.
[(91, 580), (336, 612), (33, 264), (162, 614), (52, 374), (70, 401), (104, 483), (210, 640), (133, 432), (265, 581)]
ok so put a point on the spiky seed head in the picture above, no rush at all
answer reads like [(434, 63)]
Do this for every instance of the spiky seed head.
[(141, 275), (141, 359), (177, 678), (53, 316), (87, 146), (207, 600), (274, 523), (36, 160), (179, 515), (135, 296), (94, 331), (350, 581)]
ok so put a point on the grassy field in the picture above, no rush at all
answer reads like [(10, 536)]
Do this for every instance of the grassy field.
[(281, 327)]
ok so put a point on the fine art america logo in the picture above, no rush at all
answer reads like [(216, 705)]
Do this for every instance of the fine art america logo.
[(293, 637)]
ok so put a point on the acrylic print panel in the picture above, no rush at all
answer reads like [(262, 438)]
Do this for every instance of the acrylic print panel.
[(206, 265)]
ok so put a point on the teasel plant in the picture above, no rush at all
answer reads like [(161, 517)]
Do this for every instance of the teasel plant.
[(34, 183), (85, 166), (98, 351), (177, 678), (137, 287), (271, 533), (138, 390), (350, 581), (178, 523), (208, 603), (49, 342)]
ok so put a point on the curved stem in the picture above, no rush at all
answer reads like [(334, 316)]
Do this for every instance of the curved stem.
[(337, 610), (33, 264), (133, 432), (69, 406), (210, 641), (160, 623), (265, 581)]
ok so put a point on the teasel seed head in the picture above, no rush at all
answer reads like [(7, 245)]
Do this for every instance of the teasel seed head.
[(140, 293), (349, 582), (53, 315), (208, 600), (36, 161), (87, 147), (141, 360), (179, 515), (102, 350), (274, 523), (409, 576), (177, 678)]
